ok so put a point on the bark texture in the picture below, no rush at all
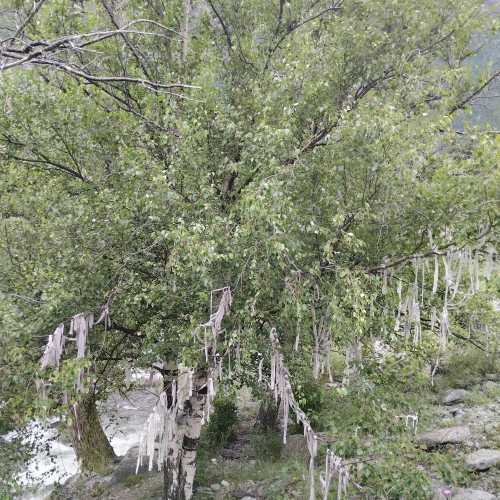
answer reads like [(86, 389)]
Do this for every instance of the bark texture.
[(190, 443), (180, 465), (91, 444)]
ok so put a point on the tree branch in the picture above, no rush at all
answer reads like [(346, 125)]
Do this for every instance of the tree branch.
[(464, 102), (222, 23), (125, 38), (294, 26), (49, 162), (31, 15), (423, 255)]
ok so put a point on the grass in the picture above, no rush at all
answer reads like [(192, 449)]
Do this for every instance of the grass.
[(366, 426), (276, 473), (465, 368)]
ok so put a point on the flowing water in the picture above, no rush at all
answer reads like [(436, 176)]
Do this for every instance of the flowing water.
[(123, 420)]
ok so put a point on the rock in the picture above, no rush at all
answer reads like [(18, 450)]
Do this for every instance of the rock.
[(448, 435), (248, 498), (482, 459), (441, 492), (127, 466), (457, 412), (231, 454), (215, 487), (225, 484), (490, 386), (467, 494), (250, 489), (295, 447), (203, 490), (492, 376), (244, 489), (455, 396)]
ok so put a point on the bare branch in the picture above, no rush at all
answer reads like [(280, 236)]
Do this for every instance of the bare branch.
[(125, 38), (110, 79), (468, 99), (43, 52), (31, 15), (222, 23), (436, 251), (50, 163), (296, 25)]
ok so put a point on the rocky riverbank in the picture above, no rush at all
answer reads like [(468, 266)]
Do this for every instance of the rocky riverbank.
[(465, 424)]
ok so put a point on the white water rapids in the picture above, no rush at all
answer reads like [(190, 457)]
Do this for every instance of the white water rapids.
[(123, 421)]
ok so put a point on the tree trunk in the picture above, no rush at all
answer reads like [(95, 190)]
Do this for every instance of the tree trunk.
[(190, 443), (180, 464), (353, 360), (185, 41), (92, 448), (171, 466)]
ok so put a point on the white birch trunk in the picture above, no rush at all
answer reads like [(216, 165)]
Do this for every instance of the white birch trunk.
[(192, 431)]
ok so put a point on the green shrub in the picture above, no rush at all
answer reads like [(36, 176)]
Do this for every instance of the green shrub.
[(466, 367), (392, 479), (310, 396), (222, 426), (449, 469), (268, 445), (13, 456), (133, 480)]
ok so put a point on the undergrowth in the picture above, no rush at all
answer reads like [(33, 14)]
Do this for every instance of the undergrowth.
[(223, 422), (366, 425)]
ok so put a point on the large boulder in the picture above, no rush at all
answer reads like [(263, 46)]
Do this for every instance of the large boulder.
[(473, 495), (482, 459), (448, 435), (454, 396)]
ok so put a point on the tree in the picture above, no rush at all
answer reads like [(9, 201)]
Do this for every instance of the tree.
[(297, 151)]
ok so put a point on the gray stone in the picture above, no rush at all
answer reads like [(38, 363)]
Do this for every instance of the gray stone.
[(440, 491), (204, 490), (295, 446), (454, 396), (467, 494), (248, 498), (215, 487), (482, 459), (127, 467), (246, 488), (230, 453), (491, 386), (239, 493), (448, 435), (225, 484)]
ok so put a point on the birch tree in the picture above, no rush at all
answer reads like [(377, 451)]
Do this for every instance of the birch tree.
[(302, 153)]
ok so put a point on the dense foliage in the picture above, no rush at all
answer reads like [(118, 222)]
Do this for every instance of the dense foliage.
[(289, 150)]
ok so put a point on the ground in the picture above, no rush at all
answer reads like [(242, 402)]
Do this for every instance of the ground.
[(368, 428)]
